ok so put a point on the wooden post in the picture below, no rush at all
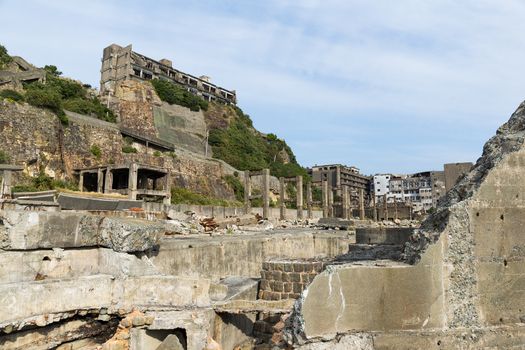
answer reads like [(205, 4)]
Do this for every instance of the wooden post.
[(247, 192), (266, 193), (361, 204), (282, 205), (309, 200), (299, 186), (325, 198)]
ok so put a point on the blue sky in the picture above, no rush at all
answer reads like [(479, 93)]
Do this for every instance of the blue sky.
[(388, 86)]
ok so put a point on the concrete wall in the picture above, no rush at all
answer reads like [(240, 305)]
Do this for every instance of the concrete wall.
[(223, 212), (383, 235), (240, 255)]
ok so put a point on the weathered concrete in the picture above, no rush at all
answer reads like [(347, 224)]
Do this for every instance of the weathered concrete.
[(465, 289), (243, 255), (23, 230), (383, 235)]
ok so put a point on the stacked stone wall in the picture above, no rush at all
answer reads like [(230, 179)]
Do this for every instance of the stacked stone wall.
[(286, 279)]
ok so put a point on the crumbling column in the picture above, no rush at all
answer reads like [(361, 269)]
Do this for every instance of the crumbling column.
[(100, 180), (109, 180), (345, 198), (282, 206), (299, 185), (80, 181), (167, 189), (395, 208), (266, 193), (7, 183), (309, 200), (331, 203), (374, 208), (325, 198), (132, 180), (361, 204), (385, 208), (247, 192)]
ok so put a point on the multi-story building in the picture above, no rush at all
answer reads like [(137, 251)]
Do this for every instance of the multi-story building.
[(339, 175), (121, 63), (421, 190)]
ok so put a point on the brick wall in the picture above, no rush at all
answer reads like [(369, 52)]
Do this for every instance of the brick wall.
[(286, 279)]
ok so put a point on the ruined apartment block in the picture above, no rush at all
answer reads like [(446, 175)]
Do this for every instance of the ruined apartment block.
[(122, 63)]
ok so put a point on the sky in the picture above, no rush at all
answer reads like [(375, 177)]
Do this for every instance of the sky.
[(388, 86)]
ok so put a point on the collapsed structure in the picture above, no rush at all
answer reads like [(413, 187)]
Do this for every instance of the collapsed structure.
[(141, 276)]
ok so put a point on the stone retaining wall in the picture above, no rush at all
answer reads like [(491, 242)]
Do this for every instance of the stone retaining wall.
[(286, 279)]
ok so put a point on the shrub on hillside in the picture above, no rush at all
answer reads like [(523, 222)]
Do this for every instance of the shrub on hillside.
[(11, 95), (236, 185), (4, 158), (175, 94), (91, 107), (4, 57)]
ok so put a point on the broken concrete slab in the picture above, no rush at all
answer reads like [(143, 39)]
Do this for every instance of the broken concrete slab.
[(22, 230)]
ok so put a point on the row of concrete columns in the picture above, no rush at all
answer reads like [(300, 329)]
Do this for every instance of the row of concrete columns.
[(265, 194), (328, 201)]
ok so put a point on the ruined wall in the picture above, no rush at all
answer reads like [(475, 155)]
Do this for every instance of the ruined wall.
[(467, 272), (244, 256), (33, 137)]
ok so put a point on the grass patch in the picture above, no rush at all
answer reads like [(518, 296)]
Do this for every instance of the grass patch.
[(12, 95), (181, 195), (43, 182)]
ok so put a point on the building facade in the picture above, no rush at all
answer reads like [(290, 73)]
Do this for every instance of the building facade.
[(122, 63), (337, 176), (421, 190)]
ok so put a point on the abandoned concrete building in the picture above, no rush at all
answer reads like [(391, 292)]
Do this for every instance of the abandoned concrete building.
[(152, 275), (134, 180), (337, 176), (20, 71), (121, 63), (420, 190)]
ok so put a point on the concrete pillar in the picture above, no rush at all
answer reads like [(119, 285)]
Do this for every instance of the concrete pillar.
[(247, 192), (132, 180), (282, 206), (395, 209), (309, 200), (325, 198), (374, 208), (80, 181), (100, 180), (109, 180), (167, 189), (331, 202), (361, 204), (344, 193), (7, 183), (299, 185), (266, 193), (385, 208)]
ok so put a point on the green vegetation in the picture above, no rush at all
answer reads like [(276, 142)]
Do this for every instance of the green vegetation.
[(4, 158), (60, 93), (184, 196), (11, 95), (129, 149), (43, 182), (4, 57), (175, 94), (241, 146), (236, 185), (156, 154), (96, 151)]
